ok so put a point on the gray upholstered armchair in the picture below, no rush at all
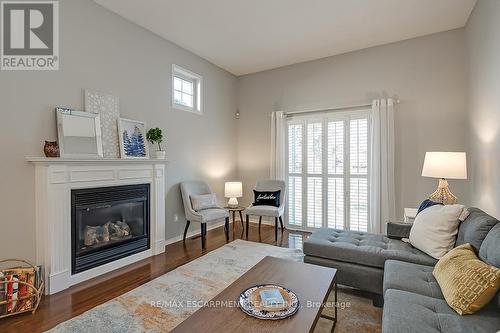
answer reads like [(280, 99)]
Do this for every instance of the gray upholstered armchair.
[(269, 211), (194, 188)]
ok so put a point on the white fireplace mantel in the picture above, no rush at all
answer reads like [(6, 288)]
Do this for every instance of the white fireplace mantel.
[(54, 180)]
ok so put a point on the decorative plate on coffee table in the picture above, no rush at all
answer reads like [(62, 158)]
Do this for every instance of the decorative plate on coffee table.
[(250, 303)]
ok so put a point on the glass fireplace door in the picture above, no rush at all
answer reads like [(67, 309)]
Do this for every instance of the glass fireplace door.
[(108, 223)]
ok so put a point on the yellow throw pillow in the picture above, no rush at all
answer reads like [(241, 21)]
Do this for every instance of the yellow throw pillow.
[(467, 283)]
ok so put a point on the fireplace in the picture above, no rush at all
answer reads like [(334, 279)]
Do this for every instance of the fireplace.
[(107, 224), (58, 187)]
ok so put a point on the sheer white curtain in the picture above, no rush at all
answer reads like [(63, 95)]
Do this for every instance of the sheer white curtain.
[(382, 201), (278, 156)]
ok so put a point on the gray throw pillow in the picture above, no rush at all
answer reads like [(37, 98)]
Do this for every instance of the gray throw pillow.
[(203, 201), (475, 228)]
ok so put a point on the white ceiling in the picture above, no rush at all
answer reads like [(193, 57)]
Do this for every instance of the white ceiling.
[(247, 36)]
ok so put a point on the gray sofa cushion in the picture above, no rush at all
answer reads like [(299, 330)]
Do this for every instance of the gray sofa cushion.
[(411, 277), (489, 251), (409, 312), (262, 210), (362, 248), (475, 228), (212, 214)]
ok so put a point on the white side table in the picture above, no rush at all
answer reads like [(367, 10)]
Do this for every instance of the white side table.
[(409, 214)]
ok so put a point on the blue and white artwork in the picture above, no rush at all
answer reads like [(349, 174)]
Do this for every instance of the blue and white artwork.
[(132, 139)]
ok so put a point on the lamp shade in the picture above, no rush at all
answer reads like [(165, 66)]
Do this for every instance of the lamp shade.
[(233, 190), (451, 165)]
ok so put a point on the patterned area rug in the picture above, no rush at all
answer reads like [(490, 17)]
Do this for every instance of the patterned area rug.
[(163, 303)]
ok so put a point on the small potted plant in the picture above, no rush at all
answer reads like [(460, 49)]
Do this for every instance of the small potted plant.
[(154, 135)]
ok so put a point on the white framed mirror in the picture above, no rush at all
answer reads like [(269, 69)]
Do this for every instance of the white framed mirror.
[(79, 134)]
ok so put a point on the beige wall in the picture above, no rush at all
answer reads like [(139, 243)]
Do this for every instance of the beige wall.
[(426, 73), (482, 35), (102, 51)]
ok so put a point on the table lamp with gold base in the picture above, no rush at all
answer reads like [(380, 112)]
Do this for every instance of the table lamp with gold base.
[(444, 165)]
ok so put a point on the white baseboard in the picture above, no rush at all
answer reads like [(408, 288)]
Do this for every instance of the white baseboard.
[(194, 232)]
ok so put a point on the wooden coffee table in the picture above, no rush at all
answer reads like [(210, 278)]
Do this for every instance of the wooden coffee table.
[(311, 283)]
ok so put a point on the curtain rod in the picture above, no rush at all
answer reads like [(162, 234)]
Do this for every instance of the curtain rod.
[(349, 107)]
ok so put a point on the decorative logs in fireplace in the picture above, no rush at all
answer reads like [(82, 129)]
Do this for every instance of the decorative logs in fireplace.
[(96, 234), (111, 231)]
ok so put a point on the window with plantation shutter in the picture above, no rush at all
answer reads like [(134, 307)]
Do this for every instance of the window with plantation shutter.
[(328, 168)]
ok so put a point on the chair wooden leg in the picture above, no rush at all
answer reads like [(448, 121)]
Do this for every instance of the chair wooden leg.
[(247, 225), (281, 223), (275, 229), (260, 222), (226, 229), (186, 230), (203, 235)]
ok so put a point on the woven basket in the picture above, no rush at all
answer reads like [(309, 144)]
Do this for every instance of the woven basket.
[(32, 291)]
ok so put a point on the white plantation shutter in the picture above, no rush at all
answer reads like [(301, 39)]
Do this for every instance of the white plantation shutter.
[(335, 195), (335, 147), (314, 147), (359, 204), (295, 200), (295, 160), (359, 146), (328, 171), (314, 202), (295, 138), (336, 203), (359, 174)]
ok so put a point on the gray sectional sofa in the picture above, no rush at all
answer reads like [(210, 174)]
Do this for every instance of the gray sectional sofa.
[(402, 275)]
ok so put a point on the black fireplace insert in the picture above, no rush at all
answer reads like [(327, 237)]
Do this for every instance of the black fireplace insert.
[(107, 224)]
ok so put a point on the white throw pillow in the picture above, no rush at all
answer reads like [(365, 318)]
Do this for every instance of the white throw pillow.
[(435, 228), (204, 201)]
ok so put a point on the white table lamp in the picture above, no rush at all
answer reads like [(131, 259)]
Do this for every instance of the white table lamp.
[(233, 190), (444, 165)]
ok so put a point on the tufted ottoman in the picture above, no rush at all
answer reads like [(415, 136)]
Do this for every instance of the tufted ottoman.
[(359, 256)]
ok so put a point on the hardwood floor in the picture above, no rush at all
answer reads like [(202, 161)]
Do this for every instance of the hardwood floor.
[(82, 297)]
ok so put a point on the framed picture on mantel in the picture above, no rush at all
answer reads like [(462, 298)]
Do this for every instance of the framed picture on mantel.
[(132, 135)]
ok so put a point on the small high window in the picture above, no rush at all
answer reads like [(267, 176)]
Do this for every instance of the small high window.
[(186, 90)]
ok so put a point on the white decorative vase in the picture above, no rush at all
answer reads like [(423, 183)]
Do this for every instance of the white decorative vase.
[(160, 154)]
